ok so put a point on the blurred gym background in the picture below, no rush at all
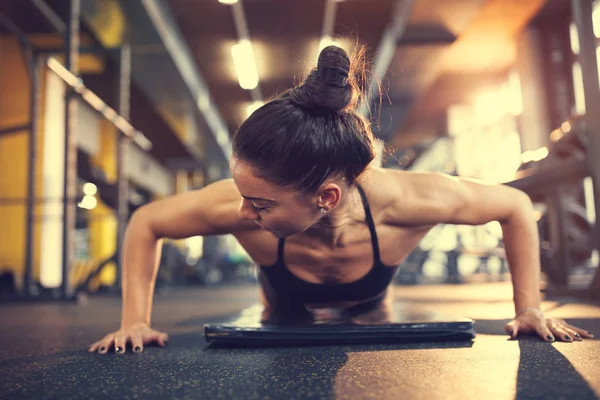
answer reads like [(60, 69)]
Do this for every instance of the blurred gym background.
[(106, 105)]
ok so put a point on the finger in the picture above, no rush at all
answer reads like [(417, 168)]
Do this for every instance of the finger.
[(152, 337), (97, 345), (160, 338), (120, 344), (163, 338), (576, 336), (137, 344), (582, 332), (560, 333), (106, 344), (94, 346), (544, 332), (512, 328), (569, 329)]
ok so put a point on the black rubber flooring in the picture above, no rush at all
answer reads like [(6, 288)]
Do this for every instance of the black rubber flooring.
[(43, 354)]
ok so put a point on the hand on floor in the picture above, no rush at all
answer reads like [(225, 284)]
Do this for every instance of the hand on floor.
[(138, 335), (549, 329)]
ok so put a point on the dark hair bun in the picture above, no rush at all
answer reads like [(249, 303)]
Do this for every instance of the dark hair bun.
[(333, 67), (330, 88)]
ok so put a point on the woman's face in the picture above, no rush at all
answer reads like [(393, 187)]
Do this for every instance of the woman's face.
[(283, 212)]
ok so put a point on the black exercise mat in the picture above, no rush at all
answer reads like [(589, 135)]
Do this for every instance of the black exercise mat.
[(403, 323)]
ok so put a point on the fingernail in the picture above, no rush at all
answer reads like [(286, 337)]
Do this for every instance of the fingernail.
[(550, 338), (118, 350), (102, 349), (567, 337), (590, 333), (510, 332), (137, 349), (578, 336)]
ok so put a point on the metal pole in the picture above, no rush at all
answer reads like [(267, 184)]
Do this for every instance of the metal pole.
[(32, 178), (21, 38), (70, 164), (123, 104), (170, 35), (561, 262), (50, 16), (14, 129), (558, 67), (582, 16), (387, 49), (97, 50)]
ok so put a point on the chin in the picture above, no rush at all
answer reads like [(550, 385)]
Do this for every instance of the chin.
[(277, 234), (283, 234)]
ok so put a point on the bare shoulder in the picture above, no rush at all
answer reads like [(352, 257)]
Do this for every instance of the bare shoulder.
[(380, 186), (211, 210), (404, 196), (383, 189), (415, 198)]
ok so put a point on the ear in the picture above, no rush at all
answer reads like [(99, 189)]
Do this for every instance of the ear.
[(329, 195)]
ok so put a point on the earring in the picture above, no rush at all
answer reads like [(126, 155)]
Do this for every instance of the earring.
[(323, 210)]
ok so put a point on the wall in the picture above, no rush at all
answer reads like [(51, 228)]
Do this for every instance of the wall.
[(14, 110)]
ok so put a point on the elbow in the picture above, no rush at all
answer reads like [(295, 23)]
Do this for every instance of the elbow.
[(522, 208), (524, 202), (139, 216), (141, 222)]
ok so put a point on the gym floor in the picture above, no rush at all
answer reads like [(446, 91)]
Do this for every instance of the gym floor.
[(44, 354)]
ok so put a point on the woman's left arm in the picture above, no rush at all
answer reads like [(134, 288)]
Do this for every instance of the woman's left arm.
[(437, 198)]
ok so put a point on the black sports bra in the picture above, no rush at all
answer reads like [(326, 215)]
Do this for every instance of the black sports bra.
[(288, 288)]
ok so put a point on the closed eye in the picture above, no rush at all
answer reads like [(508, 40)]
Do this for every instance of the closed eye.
[(259, 209)]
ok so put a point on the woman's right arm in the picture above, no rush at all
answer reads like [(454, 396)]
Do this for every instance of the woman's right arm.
[(209, 211)]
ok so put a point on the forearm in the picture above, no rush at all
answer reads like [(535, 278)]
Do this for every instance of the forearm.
[(141, 256), (521, 242)]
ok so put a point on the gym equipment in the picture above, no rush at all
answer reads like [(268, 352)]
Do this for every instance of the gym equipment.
[(367, 325), (577, 230), (35, 58), (567, 235)]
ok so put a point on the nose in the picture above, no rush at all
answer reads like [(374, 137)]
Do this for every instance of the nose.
[(247, 211)]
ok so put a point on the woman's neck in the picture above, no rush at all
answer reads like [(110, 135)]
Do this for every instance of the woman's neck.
[(331, 228)]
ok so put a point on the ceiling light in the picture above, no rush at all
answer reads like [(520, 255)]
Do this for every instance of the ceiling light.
[(228, 1), (245, 66)]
